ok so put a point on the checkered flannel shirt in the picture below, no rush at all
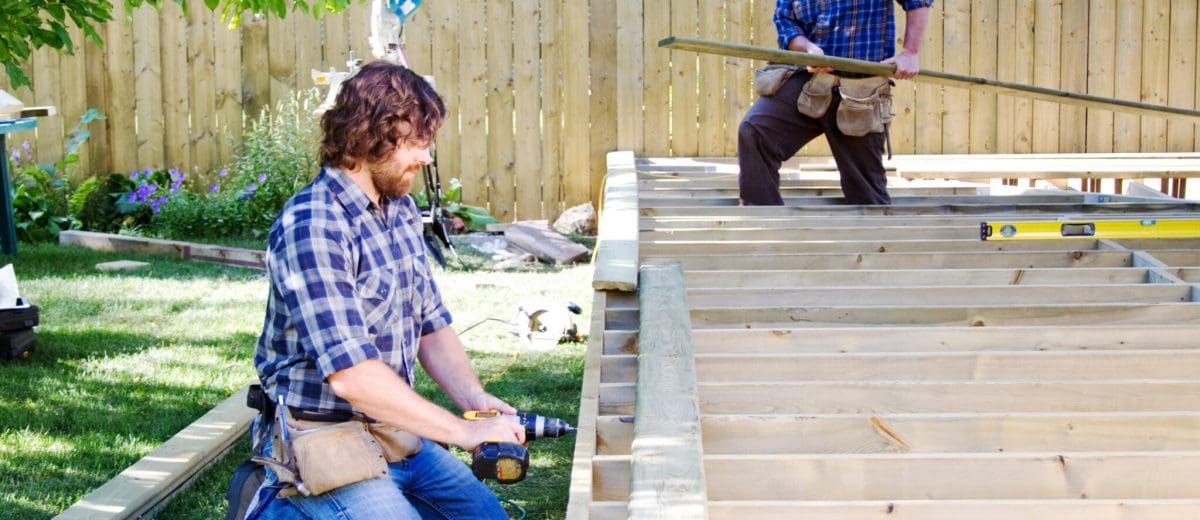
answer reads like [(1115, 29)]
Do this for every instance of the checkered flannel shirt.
[(858, 29), (349, 282)]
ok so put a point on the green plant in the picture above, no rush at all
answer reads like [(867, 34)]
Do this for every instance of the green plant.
[(277, 158), (474, 218), (40, 193), (94, 203)]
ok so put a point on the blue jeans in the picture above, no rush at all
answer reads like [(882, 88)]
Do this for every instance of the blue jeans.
[(431, 484)]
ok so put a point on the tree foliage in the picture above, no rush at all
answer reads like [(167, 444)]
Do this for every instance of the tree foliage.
[(32, 24)]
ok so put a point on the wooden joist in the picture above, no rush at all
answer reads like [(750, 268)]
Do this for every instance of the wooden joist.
[(883, 362), (617, 246), (667, 479)]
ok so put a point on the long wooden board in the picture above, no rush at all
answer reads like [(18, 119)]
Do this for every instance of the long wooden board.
[(929, 76)]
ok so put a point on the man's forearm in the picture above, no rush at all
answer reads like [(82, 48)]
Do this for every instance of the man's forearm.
[(376, 390), (915, 21), (445, 360)]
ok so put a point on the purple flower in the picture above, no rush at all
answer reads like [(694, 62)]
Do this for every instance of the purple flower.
[(148, 171), (251, 187), (262, 176), (213, 188), (25, 146), (223, 172), (133, 196), (16, 155), (133, 174)]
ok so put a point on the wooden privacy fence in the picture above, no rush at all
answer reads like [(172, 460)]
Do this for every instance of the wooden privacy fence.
[(540, 90)]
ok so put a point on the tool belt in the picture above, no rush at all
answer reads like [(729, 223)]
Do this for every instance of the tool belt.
[(315, 456), (769, 78), (865, 107)]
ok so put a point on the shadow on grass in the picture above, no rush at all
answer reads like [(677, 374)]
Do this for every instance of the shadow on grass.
[(67, 429)]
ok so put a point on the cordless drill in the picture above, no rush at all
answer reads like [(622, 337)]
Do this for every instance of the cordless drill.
[(507, 462)]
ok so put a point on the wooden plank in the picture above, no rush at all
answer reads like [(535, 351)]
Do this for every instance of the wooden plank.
[(738, 73), (617, 248), (359, 14), (932, 76), (742, 367), (472, 106), (122, 109), (547, 245), (656, 92), (929, 106), (895, 338), (1127, 128), (1025, 22), (47, 80), (227, 57), (527, 79), (631, 40), (1113, 208), (984, 36), (308, 48), (418, 41), (711, 108), (73, 100), (685, 248), (958, 30), (811, 232), (1156, 41), (959, 316), (580, 493), (602, 109), (256, 73), (1073, 74), (552, 103), (1113, 475), (667, 472), (147, 70), (281, 55), (501, 145), (684, 97), (925, 397), (929, 433), (96, 77), (577, 177), (1047, 65), (1182, 71), (202, 92), (941, 295), (883, 278), (1021, 259), (335, 45), (1101, 72), (447, 77), (147, 483), (1060, 509), (176, 135), (186, 250)]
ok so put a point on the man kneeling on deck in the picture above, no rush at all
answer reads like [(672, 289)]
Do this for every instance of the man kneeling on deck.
[(352, 308), (851, 110)]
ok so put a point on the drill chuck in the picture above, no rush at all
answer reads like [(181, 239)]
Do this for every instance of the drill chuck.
[(539, 427)]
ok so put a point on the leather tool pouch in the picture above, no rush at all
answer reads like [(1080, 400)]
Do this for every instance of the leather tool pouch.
[(397, 444), (866, 105), (332, 455), (769, 78), (816, 95)]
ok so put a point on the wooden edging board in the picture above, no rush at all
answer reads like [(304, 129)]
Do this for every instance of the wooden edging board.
[(186, 250), (617, 247), (667, 474), (153, 479)]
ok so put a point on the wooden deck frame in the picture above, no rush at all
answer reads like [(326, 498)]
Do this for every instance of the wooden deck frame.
[(879, 362), (617, 247)]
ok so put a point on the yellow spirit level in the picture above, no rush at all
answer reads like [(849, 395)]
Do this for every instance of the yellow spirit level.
[(1054, 229)]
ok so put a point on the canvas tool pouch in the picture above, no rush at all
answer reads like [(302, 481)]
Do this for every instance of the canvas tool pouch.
[(330, 455), (397, 444), (816, 95), (769, 78), (866, 105)]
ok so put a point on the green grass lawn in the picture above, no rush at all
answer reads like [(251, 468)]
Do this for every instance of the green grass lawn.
[(126, 360)]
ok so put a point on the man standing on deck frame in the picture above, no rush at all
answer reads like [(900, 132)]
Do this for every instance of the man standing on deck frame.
[(851, 110)]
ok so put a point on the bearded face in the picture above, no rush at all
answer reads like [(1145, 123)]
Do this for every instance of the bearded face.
[(394, 177)]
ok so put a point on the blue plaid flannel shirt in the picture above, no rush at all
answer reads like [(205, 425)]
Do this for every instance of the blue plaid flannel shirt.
[(858, 29), (349, 282)]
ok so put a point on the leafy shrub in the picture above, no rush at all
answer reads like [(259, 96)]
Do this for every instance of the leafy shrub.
[(40, 192), (473, 217), (278, 157), (94, 203)]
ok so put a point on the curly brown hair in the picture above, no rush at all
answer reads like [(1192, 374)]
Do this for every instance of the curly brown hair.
[(379, 107)]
